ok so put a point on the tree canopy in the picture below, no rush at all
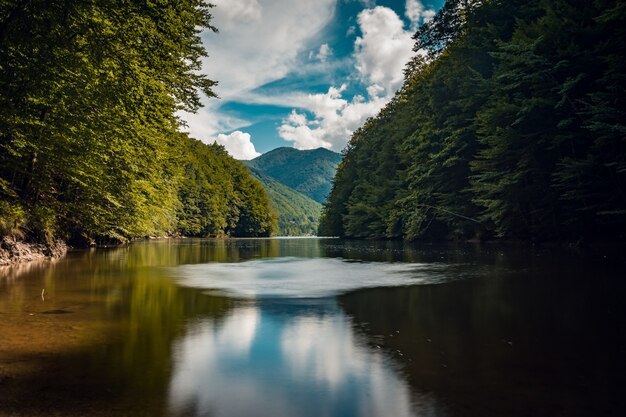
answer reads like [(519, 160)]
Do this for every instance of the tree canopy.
[(90, 146), (510, 123)]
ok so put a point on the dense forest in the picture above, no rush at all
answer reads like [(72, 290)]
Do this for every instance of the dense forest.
[(510, 123), (296, 214), (218, 196), (296, 182), (90, 145)]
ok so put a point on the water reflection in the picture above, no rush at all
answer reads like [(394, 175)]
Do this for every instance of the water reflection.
[(287, 359), (173, 252), (110, 347), (544, 340), (299, 329)]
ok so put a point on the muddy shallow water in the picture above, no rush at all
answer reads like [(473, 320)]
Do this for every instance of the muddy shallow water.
[(310, 327)]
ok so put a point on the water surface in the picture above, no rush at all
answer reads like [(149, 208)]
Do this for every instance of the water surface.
[(314, 327)]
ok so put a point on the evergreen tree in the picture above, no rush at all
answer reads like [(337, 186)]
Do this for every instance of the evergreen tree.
[(509, 122)]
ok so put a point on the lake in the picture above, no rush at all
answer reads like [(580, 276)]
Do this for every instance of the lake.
[(314, 327)]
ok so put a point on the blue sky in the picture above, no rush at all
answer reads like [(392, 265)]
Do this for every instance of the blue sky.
[(302, 73)]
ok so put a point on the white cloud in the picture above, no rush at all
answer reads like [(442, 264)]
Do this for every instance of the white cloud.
[(238, 145), (380, 56), (258, 42), (335, 118), (323, 54), (302, 136), (262, 44), (237, 12), (375, 90), (417, 13), (207, 122), (428, 15), (384, 49)]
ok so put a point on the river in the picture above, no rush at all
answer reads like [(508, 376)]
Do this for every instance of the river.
[(314, 327)]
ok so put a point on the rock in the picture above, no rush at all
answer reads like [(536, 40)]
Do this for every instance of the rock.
[(14, 251)]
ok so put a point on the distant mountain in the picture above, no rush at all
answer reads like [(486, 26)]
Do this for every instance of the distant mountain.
[(310, 172), (298, 215)]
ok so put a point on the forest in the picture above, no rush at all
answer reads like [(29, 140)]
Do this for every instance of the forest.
[(510, 124), (297, 182), (296, 214), (91, 149)]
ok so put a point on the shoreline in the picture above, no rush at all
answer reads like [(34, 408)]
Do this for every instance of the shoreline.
[(14, 251)]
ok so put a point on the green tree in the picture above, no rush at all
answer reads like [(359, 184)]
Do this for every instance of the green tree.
[(509, 122), (89, 92), (218, 197)]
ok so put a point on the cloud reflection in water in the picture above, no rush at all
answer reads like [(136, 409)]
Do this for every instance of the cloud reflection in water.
[(285, 358)]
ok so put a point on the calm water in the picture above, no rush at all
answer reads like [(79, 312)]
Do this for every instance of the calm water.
[(314, 327)]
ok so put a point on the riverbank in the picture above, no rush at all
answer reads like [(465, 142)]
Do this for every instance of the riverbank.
[(13, 251)]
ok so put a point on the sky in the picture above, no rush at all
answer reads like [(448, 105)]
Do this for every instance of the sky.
[(302, 73)]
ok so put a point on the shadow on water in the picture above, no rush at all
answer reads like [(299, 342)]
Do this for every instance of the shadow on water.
[(538, 335)]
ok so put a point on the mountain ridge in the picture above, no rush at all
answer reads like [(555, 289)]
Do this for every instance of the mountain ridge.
[(297, 183), (309, 172)]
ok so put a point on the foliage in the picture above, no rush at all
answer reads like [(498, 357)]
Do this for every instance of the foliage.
[(218, 197), (88, 98), (12, 219), (297, 214), (510, 123)]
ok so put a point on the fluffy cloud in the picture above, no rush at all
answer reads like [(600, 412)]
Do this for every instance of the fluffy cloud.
[(208, 121), (417, 13), (323, 54), (335, 118), (238, 11), (383, 50), (296, 129), (238, 144), (258, 42), (380, 55)]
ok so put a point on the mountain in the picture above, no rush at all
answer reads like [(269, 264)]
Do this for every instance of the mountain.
[(310, 172), (297, 214)]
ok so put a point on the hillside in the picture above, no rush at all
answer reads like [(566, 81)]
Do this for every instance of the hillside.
[(297, 214), (511, 128), (309, 172), (90, 145)]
